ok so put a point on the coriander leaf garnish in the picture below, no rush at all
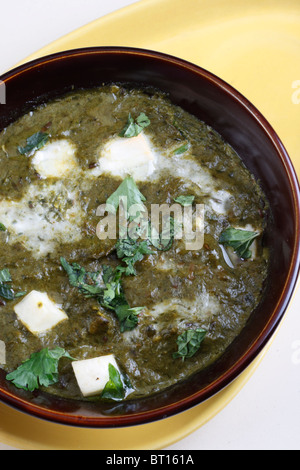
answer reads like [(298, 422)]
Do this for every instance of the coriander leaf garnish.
[(189, 342), (114, 299), (180, 150), (118, 386), (2, 228), (87, 282), (110, 295), (130, 251), (134, 127), (185, 200), (165, 239), (6, 291), (113, 291), (34, 142), (114, 387), (5, 276), (128, 317), (129, 190), (240, 240), (41, 369)]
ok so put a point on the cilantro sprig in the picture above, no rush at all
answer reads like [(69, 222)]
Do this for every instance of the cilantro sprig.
[(185, 200), (34, 142), (163, 241), (89, 283), (114, 299), (189, 343), (131, 251), (134, 127), (240, 240), (118, 385), (6, 290), (127, 191), (110, 295), (41, 369)]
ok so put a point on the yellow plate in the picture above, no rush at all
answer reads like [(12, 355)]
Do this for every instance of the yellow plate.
[(27, 433), (255, 46)]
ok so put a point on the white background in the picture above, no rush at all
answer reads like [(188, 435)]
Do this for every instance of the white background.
[(266, 413)]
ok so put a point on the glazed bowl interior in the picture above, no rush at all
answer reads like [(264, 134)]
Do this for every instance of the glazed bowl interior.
[(244, 128)]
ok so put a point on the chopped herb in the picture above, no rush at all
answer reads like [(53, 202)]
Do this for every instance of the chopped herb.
[(2, 228), (110, 295), (129, 190), (6, 291), (41, 369), (164, 241), (130, 251), (5, 276), (118, 386), (114, 299), (87, 282), (128, 317), (113, 287), (134, 127), (35, 142), (184, 148), (185, 200), (239, 240), (189, 342)]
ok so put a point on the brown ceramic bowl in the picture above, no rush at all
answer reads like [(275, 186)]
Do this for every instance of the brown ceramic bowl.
[(241, 124)]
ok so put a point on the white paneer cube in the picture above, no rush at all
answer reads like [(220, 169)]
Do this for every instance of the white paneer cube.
[(92, 374), (2, 353), (39, 313), (219, 202), (56, 159), (132, 156)]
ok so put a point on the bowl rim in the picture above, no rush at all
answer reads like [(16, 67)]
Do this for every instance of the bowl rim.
[(287, 292)]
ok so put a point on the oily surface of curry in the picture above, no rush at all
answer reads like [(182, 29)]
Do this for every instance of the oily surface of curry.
[(179, 289)]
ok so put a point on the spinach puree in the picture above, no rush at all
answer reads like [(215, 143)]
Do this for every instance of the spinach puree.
[(203, 295)]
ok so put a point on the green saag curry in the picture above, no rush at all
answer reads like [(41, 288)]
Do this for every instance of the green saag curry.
[(161, 310)]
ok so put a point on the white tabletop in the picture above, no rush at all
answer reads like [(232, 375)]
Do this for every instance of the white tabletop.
[(265, 414)]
